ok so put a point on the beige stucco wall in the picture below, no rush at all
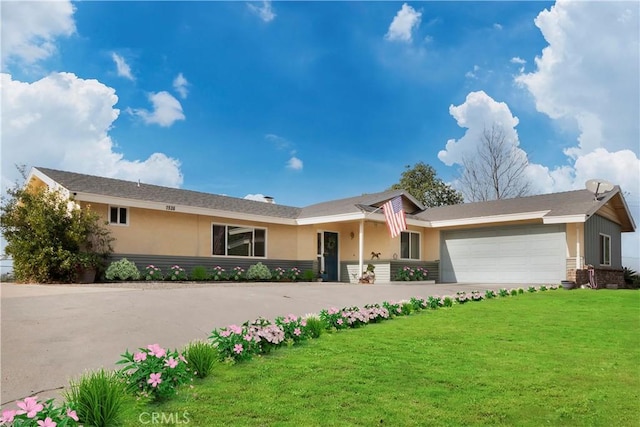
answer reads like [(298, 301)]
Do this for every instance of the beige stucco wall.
[(152, 232)]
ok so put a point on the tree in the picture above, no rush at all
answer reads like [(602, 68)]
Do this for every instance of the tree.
[(50, 237), (423, 184), (496, 171)]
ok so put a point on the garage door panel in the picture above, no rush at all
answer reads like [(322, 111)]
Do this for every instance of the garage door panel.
[(521, 254)]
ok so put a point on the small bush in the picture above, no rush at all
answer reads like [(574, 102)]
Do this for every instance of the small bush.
[(151, 272), (201, 356), (122, 270), (218, 273), (315, 326), (177, 273), (258, 271), (199, 273), (308, 276), (97, 397)]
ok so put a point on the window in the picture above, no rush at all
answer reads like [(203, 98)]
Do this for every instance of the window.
[(229, 240), (118, 215), (605, 249), (409, 245)]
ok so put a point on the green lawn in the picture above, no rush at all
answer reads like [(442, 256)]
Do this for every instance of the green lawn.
[(551, 358)]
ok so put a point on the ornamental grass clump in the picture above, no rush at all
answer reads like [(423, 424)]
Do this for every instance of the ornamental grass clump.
[(201, 356), (98, 398), (33, 412), (154, 372), (122, 270), (315, 326), (199, 273), (258, 271)]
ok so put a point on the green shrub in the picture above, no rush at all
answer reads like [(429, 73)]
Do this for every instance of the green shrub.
[(97, 398), (258, 271), (49, 237), (308, 276), (315, 326), (201, 356), (199, 273), (122, 270)]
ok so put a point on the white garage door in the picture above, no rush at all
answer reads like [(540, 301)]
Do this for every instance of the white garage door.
[(519, 254)]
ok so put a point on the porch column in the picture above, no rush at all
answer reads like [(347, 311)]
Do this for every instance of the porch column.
[(361, 248), (578, 258)]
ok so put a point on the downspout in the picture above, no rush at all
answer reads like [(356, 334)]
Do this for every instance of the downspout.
[(360, 249)]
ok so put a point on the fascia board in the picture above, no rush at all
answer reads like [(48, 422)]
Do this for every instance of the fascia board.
[(490, 219), (159, 206), (331, 218), (53, 185), (565, 219)]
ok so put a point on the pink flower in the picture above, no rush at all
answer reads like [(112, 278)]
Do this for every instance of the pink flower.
[(30, 406), (154, 379), (248, 337), (139, 357), (48, 422), (72, 414), (235, 329), (238, 348), (181, 357), (304, 322), (171, 362), (226, 333), (7, 416), (156, 350), (297, 332), (339, 322)]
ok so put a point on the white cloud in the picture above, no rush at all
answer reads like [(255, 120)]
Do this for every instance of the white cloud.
[(497, 26), (265, 12), (588, 74), (477, 113), (295, 163), (517, 60), (166, 110), (589, 71), (181, 85), (472, 74), (123, 68), (405, 21), (29, 29), (279, 142), (62, 121)]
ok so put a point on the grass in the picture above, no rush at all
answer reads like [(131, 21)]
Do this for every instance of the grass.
[(550, 358)]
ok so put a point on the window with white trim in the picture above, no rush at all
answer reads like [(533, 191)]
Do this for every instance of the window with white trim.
[(118, 215), (409, 245), (231, 240), (605, 249)]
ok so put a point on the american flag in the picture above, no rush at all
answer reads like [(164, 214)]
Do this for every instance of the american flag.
[(394, 215)]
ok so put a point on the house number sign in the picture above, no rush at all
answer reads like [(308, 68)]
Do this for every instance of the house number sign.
[(171, 208)]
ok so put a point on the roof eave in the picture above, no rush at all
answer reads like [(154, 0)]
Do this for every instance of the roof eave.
[(489, 219), (160, 206)]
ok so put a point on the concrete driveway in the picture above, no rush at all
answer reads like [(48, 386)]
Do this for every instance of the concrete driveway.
[(51, 334)]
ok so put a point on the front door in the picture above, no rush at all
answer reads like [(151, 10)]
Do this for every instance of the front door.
[(328, 249)]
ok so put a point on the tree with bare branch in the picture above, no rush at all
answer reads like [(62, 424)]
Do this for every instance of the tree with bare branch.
[(496, 171)]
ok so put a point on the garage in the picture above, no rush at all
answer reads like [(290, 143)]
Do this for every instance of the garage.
[(516, 254)]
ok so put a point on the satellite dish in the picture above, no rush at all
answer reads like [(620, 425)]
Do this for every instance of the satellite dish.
[(598, 186)]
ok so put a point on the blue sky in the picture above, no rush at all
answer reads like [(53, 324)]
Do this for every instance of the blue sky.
[(310, 101)]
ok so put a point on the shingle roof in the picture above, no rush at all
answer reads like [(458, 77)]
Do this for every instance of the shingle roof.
[(569, 203), (81, 183), (578, 202)]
